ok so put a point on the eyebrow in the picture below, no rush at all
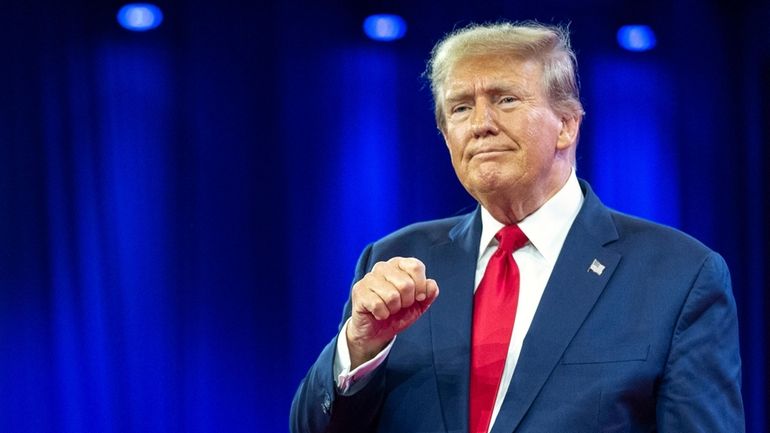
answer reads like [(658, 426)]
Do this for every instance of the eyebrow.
[(464, 92)]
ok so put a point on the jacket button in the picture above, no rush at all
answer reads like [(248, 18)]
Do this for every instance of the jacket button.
[(326, 405)]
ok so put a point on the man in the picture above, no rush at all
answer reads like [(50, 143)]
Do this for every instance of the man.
[(555, 313)]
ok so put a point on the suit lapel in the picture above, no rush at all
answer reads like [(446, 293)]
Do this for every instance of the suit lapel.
[(568, 298), (453, 266)]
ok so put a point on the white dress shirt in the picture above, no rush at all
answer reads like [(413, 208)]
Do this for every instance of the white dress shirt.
[(546, 229)]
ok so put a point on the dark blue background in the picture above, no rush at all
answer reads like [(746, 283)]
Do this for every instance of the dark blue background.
[(181, 210)]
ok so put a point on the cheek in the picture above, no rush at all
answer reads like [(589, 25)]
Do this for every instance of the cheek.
[(534, 125), (542, 131), (455, 144)]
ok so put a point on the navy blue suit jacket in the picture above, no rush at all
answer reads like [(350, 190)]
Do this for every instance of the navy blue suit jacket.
[(650, 344)]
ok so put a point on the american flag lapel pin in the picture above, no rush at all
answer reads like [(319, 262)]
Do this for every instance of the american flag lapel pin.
[(596, 267)]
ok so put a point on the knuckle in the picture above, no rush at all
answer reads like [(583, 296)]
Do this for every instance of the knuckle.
[(412, 265), (391, 298), (373, 305), (377, 267), (356, 290), (400, 283), (380, 310), (362, 284)]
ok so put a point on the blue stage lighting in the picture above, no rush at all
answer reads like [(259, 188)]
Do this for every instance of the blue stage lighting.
[(140, 17), (385, 27), (636, 38)]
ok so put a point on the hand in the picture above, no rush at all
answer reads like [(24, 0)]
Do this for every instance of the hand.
[(386, 301)]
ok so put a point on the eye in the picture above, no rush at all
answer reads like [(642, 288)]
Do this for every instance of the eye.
[(508, 99), (460, 108)]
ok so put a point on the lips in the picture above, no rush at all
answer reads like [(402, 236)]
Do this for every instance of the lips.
[(489, 152)]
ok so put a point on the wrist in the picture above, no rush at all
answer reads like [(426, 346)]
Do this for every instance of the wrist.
[(362, 349)]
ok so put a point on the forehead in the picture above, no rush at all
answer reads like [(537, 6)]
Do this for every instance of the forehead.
[(485, 71)]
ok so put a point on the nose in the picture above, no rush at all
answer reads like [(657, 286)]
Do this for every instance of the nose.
[(484, 120)]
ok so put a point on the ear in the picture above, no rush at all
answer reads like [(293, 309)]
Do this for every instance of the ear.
[(443, 135), (569, 132)]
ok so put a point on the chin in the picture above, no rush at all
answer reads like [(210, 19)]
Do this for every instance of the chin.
[(484, 185), (490, 177)]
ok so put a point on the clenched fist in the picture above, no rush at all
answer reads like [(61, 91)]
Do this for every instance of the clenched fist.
[(386, 301)]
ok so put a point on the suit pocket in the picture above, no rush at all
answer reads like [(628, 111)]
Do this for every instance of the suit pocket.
[(587, 354)]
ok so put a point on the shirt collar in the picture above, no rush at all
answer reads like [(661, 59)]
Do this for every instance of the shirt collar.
[(547, 227)]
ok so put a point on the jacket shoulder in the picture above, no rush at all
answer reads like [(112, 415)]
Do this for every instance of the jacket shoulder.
[(635, 232), (422, 233)]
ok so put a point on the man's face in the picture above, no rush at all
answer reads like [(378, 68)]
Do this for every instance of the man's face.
[(503, 137)]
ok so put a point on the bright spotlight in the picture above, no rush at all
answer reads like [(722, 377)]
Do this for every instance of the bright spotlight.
[(636, 38), (140, 17), (384, 27)]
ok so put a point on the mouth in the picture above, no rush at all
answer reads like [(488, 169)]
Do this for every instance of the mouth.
[(490, 153)]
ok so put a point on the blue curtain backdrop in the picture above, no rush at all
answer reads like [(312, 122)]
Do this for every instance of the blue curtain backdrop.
[(181, 209)]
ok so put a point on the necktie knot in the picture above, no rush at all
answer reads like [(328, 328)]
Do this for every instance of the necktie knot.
[(511, 238)]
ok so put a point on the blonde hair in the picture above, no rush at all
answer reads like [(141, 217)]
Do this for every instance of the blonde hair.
[(526, 40)]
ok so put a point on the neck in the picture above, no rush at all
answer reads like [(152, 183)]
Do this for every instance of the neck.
[(510, 207)]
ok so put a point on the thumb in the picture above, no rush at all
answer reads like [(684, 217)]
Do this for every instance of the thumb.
[(432, 292)]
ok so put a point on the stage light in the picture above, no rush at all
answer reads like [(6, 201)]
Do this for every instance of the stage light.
[(140, 17), (385, 27), (636, 38)]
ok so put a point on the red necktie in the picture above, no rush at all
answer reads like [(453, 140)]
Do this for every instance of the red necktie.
[(494, 311)]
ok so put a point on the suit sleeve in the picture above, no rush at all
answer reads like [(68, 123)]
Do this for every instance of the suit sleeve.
[(700, 389), (317, 407)]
